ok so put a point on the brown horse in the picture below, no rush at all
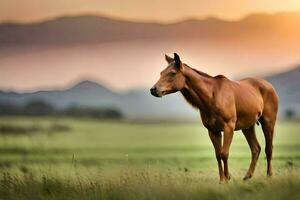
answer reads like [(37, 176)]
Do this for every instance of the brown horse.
[(225, 106)]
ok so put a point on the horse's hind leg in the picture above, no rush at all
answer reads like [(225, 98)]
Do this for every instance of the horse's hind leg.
[(255, 149), (268, 129)]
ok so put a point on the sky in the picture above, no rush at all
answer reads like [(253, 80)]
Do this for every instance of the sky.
[(140, 10)]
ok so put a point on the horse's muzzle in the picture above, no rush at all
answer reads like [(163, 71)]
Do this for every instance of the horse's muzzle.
[(153, 91)]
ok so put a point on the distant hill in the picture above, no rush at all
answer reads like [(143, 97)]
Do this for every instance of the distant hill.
[(97, 29), (140, 104), (134, 104), (287, 85)]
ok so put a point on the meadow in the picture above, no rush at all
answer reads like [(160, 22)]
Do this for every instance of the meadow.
[(65, 158)]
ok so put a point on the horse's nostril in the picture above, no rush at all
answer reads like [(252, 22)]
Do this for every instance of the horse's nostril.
[(153, 90)]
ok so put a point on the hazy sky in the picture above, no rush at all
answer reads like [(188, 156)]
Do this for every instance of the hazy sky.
[(157, 10)]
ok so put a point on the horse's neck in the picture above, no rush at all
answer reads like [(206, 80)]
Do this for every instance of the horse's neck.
[(198, 90)]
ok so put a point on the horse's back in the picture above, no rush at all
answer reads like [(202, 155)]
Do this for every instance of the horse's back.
[(264, 87)]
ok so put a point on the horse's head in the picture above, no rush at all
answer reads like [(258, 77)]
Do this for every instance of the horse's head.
[(171, 79)]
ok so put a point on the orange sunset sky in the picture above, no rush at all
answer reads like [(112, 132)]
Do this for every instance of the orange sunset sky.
[(153, 10)]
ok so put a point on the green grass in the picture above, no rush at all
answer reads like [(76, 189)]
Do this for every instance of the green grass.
[(126, 160)]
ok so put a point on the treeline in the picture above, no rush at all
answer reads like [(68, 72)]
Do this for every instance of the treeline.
[(42, 108)]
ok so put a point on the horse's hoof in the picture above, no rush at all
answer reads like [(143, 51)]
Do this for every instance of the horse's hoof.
[(228, 177), (246, 178), (222, 180)]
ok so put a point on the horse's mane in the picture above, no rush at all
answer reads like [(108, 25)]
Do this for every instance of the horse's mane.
[(205, 74), (201, 73)]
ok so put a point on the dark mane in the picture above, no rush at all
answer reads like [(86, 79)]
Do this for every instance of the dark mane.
[(220, 76), (201, 73), (206, 75)]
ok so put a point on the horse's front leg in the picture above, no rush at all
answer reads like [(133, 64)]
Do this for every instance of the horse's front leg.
[(216, 139), (227, 139)]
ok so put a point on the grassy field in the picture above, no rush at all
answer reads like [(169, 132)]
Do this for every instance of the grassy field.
[(62, 158)]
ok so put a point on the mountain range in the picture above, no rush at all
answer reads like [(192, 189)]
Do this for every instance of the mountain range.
[(140, 104), (60, 50), (89, 29)]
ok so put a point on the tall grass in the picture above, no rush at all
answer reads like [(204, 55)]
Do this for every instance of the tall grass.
[(145, 184), (94, 159)]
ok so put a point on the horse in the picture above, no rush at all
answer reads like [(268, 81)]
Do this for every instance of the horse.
[(225, 106)]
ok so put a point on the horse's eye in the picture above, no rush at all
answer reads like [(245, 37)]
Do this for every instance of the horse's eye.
[(173, 73)]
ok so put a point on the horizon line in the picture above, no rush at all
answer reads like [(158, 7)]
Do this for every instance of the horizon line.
[(108, 86)]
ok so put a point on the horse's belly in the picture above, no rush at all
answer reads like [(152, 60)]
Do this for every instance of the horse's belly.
[(248, 110), (247, 120)]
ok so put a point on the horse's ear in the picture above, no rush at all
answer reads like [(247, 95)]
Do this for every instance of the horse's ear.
[(169, 59), (177, 61)]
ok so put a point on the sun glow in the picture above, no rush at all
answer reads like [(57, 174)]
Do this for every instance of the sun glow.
[(165, 11)]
